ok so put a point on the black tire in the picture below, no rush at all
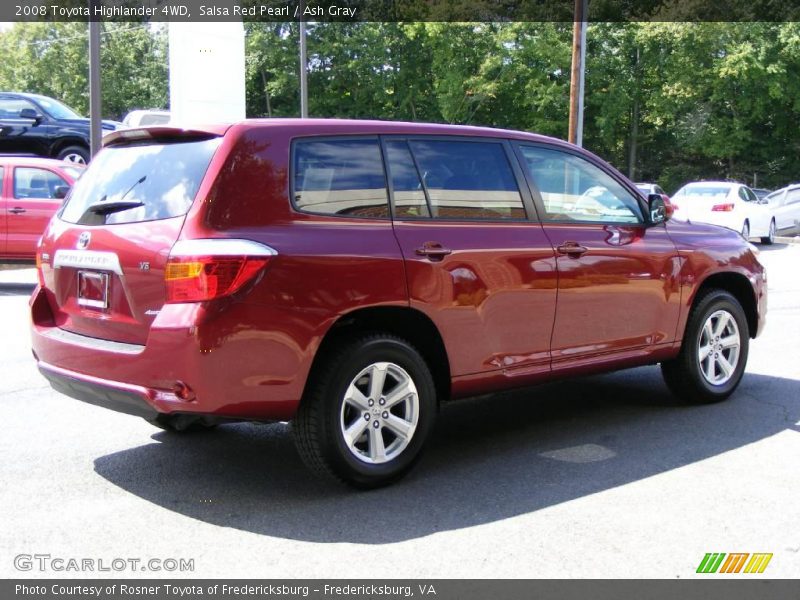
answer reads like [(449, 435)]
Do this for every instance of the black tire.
[(182, 423), (746, 230), (78, 152), (770, 239), (321, 417), (683, 374)]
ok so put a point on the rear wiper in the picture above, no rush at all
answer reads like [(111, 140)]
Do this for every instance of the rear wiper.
[(103, 207), (106, 208)]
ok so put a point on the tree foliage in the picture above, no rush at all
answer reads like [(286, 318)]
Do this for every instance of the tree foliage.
[(665, 101)]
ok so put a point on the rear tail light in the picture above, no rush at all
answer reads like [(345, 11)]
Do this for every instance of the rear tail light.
[(722, 207), (39, 273), (201, 270)]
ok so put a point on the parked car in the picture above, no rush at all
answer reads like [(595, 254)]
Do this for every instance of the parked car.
[(785, 206), (31, 191), (731, 205), (654, 188), (34, 124), (352, 275), (143, 118), (761, 193)]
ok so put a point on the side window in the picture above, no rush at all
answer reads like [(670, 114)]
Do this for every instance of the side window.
[(751, 195), (11, 107), (744, 195), (409, 196), (793, 196), (30, 182), (573, 189), (340, 177), (467, 180)]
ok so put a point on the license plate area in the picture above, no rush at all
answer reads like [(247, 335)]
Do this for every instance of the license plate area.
[(93, 289)]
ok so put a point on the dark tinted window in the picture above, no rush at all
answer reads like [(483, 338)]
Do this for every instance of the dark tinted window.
[(30, 182), (409, 197), (574, 189), (159, 181), (340, 177), (11, 107), (468, 180)]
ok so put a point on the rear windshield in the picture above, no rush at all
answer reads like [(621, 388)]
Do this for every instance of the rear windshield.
[(706, 191), (141, 183)]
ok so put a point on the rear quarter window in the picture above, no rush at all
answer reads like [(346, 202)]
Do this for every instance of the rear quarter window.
[(340, 178)]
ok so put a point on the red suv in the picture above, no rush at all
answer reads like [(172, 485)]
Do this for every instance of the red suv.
[(351, 275)]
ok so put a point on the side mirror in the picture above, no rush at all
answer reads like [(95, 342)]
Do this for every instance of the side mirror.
[(29, 113), (61, 191), (656, 209)]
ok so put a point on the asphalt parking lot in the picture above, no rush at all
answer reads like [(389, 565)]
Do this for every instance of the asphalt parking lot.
[(607, 476)]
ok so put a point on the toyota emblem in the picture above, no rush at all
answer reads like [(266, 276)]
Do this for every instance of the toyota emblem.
[(83, 240)]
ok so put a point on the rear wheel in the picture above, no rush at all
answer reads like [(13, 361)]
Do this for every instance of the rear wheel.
[(714, 350), (367, 412), (746, 230), (770, 239)]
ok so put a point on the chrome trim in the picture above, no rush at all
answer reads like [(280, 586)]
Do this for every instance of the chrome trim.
[(103, 277), (87, 259), (68, 337), (221, 247)]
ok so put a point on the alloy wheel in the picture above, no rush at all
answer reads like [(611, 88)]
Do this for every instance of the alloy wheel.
[(719, 347), (379, 413)]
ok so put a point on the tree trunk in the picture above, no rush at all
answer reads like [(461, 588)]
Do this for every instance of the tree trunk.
[(266, 92), (634, 140)]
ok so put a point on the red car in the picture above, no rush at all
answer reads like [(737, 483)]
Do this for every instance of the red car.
[(31, 191), (352, 275)]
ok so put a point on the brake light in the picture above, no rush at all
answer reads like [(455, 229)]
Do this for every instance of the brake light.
[(722, 207), (201, 270)]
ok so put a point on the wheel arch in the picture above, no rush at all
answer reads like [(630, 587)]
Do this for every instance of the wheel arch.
[(739, 286), (401, 321)]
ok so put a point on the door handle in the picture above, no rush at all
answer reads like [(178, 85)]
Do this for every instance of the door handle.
[(433, 251), (572, 249), (16, 210)]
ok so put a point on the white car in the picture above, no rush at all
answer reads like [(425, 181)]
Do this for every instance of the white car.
[(142, 118), (731, 205), (785, 206)]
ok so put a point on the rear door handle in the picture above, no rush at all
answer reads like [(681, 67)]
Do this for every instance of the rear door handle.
[(433, 251), (16, 210), (572, 249)]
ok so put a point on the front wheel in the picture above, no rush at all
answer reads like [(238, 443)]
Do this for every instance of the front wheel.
[(367, 412), (714, 350)]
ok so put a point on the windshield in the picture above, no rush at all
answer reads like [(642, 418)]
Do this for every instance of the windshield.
[(56, 109), (73, 171), (153, 181)]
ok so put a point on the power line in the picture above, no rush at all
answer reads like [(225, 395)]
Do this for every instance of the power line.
[(52, 41)]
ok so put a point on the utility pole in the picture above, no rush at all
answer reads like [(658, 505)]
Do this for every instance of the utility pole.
[(303, 67), (578, 72), (95, 110)]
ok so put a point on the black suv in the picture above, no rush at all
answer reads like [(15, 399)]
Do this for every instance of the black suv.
[(33, 124)]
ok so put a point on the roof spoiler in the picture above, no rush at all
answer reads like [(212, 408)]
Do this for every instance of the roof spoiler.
[(163, 133)]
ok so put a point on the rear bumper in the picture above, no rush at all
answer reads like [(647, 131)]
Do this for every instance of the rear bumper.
[(220, 366), (127, 399)]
